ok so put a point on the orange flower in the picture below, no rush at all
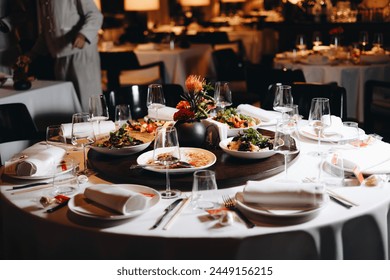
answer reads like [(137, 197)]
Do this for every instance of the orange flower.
[(194, 83), (184, 104)]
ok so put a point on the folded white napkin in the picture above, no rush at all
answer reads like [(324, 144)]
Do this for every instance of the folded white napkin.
[(221, 127), (38, 160), (263, 115), (371, 159), (104, 127), (336, 131), (116, 198), (164, 113), (284, 195)]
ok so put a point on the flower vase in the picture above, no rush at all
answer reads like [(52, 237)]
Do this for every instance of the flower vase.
[(20, 78), (191, 133)]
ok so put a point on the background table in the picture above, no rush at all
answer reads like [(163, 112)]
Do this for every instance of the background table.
[(49, 102), (336, 233), (351, 77)]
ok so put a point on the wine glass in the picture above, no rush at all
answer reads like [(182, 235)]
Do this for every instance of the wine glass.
[(122, 114), (283, 99), (378, 40), (319, 118), (155, 98), (55, 135), (363, 40), (166, 152), (300, 42), (222, 94), (82, 135), (317, 41), (98, 110), (284, 143)]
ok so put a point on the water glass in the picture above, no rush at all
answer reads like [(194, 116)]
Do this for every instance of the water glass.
[(352, 132), (122, 114), (65, 179), (204, 190), (54, 135), (222, 94)]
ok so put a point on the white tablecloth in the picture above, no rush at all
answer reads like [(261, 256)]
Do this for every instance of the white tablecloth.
[(351, 77), (49, 102), (336, 233)]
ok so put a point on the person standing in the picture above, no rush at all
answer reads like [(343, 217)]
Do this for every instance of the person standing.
[(69, 33)]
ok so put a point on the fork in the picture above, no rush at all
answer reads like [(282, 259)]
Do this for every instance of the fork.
[(230, 204)]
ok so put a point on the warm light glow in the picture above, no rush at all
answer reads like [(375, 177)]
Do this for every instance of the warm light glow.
[(98, 4), (232, 1), (193, 3), (142, 5), (294, 2)]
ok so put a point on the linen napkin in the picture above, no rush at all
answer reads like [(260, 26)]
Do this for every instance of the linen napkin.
[(104, 127), (221, 127), (38, 160), (335, 131), (284, 195), (370, 159), (263, 115), (165, 113), (116, 198)]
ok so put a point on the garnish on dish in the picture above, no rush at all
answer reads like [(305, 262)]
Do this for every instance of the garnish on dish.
[(232, 118), (250, 141), (149, 126), (120, 138)]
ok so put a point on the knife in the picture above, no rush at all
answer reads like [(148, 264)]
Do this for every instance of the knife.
[(166, 211), (28, 186)]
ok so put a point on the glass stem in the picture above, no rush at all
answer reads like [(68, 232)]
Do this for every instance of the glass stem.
[(319, 142), (85, 159), (285, 166), (168, 182)]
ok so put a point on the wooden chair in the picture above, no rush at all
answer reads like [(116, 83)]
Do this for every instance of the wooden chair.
[(303, 93), (136, 95), (123, 68), (17, 130), (260, 77), (377, 108)]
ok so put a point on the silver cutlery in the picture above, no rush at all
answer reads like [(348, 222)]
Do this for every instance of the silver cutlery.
[(166, 211), (340, 202), (28, 186), (230, 204)]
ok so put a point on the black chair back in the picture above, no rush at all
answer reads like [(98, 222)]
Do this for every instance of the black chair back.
[(228, 65), (303, 93)]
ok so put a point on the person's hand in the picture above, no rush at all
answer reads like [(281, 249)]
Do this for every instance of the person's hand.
[(79, 42)]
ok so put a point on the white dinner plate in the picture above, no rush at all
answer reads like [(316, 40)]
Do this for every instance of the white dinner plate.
[(347, 134), (187, 154), (244, 154), (124, 151), (234, 131), (279, 216), (82, 206)]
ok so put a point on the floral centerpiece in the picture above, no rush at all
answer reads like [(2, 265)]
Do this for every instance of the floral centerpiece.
[(196, 105)]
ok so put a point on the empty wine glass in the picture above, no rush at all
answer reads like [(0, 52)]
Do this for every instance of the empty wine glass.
[(122, 114), (319, 118), (82, 135), (155, 98), (166, 152), (378, 40), (55, 135), (98, 110), (363, 40), (300, 42), (283, 99), (317, 40), (222, 94), (284, 143), (335, 41)]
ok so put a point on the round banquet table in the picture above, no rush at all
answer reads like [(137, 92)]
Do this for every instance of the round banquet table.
[(335, 233)]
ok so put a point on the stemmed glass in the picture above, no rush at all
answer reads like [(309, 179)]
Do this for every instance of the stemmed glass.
[(155, 98), (82, 135), (319, 118), (283, 99), (166, 152), (98, 110), (363, 40), (300, 42), (284, 143), (317, 41), (378, 40), (222, 94)]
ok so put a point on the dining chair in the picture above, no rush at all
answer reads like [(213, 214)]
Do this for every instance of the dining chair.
[(259, 78), (124, 68), (230, 67), (136, 95), (17, 130), (377, 108), (303, 93)]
